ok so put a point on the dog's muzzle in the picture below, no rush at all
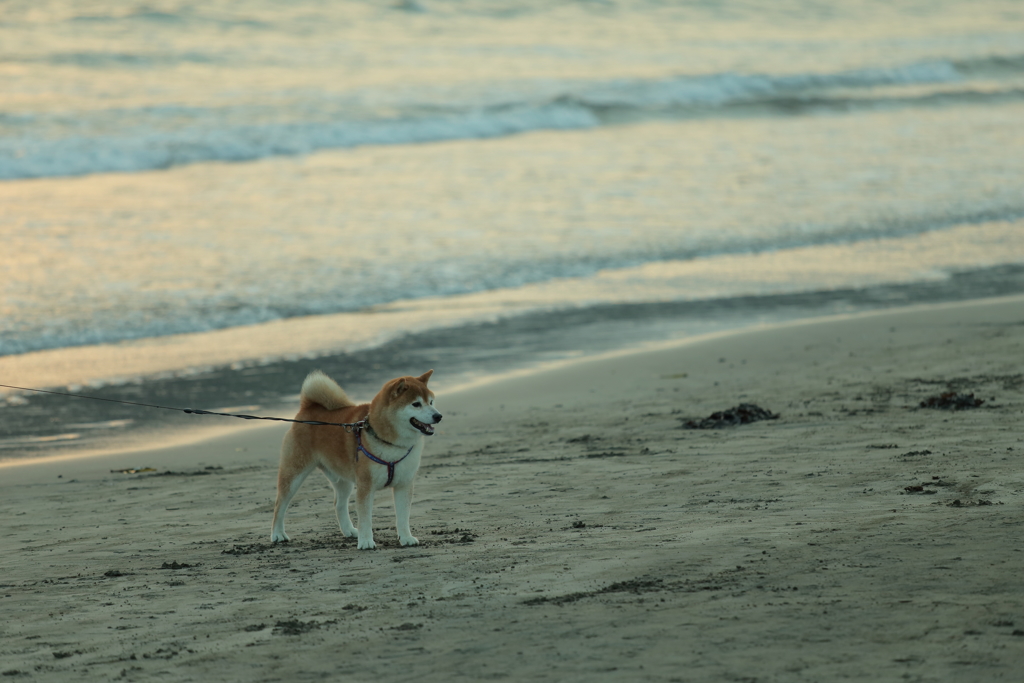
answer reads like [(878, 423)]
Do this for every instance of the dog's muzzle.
[(425, 428)]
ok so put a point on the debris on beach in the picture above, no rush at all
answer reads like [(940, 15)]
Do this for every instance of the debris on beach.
[(466, 537), (294, 627), (175, 565), (134, 470), (407, 626), (194, 473), (928, 487), (248, 549), (744, 413), (952, 400), (969, 503)]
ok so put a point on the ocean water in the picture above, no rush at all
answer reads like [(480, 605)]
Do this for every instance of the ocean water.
[(235, 188)]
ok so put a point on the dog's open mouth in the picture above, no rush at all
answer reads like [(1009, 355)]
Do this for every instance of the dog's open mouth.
[(422, 426)]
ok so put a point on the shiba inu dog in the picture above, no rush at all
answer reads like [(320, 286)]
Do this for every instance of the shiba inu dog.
[(383, 451)]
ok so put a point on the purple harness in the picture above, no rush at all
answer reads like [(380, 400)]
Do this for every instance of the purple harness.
[(389, 464)]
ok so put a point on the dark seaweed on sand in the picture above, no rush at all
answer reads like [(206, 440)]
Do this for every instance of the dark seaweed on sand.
[(952, 400), (294, 627), (175, 565), (744, 413)]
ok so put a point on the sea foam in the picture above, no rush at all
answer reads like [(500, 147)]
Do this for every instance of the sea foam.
[(79, 143)]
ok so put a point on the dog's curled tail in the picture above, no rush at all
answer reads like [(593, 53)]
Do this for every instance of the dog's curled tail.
[(324, 391)]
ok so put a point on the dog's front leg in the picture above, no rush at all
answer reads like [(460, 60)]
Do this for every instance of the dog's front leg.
[(403, 503), (364, 508)]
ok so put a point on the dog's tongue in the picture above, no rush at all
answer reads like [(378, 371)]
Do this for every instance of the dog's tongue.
[(423, 426)]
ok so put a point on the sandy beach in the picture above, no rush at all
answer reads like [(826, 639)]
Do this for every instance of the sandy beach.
[(572, 528), (724, 303)]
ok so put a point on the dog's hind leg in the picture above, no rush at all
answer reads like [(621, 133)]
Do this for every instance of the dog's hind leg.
[(288, 483), (342, 492)]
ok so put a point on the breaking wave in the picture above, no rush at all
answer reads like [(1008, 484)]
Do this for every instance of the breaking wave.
[(78, 143)]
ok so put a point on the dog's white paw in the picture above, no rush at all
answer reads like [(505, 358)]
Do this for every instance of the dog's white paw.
[(409, 540), (278, 536), (349, 533), (366, 544)]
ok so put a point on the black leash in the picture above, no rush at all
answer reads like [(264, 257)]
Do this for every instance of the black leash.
[(348, 426)]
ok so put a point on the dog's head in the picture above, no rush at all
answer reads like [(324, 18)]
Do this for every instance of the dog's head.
[(405, 407)]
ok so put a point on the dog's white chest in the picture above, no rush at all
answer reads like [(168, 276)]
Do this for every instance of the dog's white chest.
[(398, 468)]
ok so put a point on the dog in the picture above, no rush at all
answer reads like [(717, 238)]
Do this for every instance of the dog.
[(383, 451)]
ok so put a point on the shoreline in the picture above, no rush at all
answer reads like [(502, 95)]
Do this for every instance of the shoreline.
[(135, 360), (38, 424), (570, 529), (209, 444)]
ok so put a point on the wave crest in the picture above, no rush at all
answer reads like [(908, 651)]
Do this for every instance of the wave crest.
[(78, 143)]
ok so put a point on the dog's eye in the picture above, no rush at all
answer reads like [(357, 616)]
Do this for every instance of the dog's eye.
[(417, 404)]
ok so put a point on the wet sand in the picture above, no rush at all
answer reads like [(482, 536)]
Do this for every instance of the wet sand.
[(572, 529), (179, 371)]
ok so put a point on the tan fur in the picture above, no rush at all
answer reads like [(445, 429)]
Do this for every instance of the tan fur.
[(333, 450), (324, 391)]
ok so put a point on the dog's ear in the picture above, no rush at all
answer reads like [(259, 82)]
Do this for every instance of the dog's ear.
[(425, 376), (399, 389)]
